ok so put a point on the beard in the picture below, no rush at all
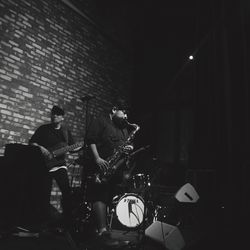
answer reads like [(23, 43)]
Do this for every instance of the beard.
[(120, 122)]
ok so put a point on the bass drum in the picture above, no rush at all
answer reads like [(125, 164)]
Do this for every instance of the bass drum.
[(130, 210)]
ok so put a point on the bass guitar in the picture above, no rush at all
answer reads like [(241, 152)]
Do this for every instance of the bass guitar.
[(54, 159)]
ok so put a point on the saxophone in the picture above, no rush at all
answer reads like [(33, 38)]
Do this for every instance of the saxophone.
[(118, 157)]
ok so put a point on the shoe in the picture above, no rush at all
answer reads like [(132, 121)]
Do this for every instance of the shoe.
[(24, 232), (109, 243), (105, 234), (105, 239)]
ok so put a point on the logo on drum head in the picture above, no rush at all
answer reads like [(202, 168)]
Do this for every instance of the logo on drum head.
[(131, 201)]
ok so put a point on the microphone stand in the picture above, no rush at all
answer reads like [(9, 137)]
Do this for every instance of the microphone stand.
[(146, 195), (85, 99), (141, 231), (143, 228), (130, 156)]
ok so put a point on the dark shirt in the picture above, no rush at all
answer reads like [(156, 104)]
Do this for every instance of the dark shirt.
[(106, 136), (49, 137)]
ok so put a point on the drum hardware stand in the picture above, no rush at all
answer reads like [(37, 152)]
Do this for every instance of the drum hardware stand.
[(132, 155), (111, 218), (142, 231), (145, 195), (129, 174)]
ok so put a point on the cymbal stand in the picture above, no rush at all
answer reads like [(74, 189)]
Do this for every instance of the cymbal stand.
[(86, 99), (146, 196)]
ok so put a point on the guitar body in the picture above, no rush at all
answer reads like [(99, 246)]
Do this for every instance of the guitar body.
[(54, 162), (56, 157)]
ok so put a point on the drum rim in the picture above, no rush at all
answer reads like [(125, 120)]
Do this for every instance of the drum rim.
[(139, 174), (133, 194)]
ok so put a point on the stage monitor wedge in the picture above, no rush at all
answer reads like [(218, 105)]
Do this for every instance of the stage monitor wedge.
[(187, 194), (167, 235)]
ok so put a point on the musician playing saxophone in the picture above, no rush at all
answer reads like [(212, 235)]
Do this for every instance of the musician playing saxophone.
[(48, 136), (105, 134)]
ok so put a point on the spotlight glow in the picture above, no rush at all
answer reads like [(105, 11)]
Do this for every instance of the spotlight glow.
[(191, 58)]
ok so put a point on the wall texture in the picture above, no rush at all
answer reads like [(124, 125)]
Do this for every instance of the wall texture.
[(50, 54)]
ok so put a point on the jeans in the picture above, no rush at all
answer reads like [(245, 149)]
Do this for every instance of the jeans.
[(62, 180)]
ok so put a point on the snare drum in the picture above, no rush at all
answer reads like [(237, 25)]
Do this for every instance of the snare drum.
[(130, 210)]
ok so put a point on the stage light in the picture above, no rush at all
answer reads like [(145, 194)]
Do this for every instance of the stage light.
[(191, 58)]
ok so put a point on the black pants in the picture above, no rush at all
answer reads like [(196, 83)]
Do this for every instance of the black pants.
[(62, 180)]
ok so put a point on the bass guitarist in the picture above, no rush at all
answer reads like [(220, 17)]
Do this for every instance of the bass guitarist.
[(49, 137)]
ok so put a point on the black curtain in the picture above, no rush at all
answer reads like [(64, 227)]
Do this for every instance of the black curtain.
[(200, 119), (221, 125)]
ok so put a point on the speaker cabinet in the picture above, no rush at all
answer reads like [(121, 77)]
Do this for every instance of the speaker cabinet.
[(24, 189), (167, 235)]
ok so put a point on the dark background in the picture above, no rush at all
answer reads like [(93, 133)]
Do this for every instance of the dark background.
[(194, 114)]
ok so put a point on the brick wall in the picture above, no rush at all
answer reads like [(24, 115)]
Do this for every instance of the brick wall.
[(52, 55)]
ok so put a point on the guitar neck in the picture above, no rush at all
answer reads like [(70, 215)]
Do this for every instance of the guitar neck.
[(66, 149)]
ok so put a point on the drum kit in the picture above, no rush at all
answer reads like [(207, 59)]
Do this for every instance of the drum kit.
[(127, 210), (139, 204), (138, 207)]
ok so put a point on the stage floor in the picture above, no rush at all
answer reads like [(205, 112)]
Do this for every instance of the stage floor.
[(195, 239)]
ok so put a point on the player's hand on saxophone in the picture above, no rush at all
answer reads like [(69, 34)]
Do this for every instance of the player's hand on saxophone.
[(102, 164), (128, 148)]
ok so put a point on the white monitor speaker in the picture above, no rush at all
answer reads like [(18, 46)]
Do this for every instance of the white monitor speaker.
[(187, 194), (167, 235)]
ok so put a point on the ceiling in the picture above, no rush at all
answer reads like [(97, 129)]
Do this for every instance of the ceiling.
[(159, 36)]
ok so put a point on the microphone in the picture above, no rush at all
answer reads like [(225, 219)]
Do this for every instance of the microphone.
[(139, 150), (87, 98)]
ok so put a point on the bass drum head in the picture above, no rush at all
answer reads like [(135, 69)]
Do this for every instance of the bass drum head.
[(130, 210)]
